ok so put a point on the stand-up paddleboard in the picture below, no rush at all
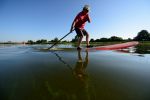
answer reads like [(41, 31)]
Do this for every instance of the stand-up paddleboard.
[(107, 47), (115, 46)]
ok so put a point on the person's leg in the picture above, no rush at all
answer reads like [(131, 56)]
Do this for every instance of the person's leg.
[(80, 35), (87, 38), (80, 40)]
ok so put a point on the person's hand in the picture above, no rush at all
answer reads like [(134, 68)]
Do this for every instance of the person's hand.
[(71, 30)]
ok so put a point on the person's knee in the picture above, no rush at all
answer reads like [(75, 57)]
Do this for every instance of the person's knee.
[(81, 36), (87, 35)]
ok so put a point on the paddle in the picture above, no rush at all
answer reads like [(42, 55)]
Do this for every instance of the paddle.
[(59, 40)]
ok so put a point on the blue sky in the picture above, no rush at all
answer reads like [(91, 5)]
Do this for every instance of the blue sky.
[(22, 20)]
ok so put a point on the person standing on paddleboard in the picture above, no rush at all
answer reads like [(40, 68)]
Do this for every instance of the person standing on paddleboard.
[(78, 25)]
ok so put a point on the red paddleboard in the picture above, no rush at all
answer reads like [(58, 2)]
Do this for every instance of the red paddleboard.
[(107, 47), (115, 46)]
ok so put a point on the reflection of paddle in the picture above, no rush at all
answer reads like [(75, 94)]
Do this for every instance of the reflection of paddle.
[(59, 40), (61, 60)]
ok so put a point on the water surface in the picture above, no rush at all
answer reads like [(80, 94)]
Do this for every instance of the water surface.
[(27, 73)]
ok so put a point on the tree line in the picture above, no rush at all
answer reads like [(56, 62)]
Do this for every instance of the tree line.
[(44, 41), (143, 35)]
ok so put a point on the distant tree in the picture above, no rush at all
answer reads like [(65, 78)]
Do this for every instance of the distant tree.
[(115, 38), (92, 40), (129, 39), (142, 36), (64, 41), (103, 39), (97, 40), (55, 40), (38, 41), (42, 41), (75, 39), (30, 42)]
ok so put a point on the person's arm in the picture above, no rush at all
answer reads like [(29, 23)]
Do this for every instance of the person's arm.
[(73, 25), (89, 19), (74, 22)]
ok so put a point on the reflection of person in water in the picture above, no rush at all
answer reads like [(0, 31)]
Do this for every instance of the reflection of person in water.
[(79, 71), (82, 89), (80, 68)]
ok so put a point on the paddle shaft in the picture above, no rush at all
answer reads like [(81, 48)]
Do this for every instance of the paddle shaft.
[(59, 40)]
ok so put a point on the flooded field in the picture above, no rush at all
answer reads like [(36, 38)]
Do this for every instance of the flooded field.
[(27, 73)]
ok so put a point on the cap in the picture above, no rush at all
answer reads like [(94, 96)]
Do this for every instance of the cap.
[(86, 7)]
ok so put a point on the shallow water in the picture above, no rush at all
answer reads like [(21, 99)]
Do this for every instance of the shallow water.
[(27, 73)]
